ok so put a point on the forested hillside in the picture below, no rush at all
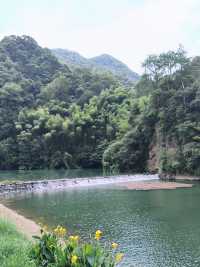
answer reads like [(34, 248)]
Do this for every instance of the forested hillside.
[(53, 116), (102, 63), (40, 105), (164, 120)]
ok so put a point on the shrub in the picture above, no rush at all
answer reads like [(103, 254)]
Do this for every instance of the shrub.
[(58, 249)]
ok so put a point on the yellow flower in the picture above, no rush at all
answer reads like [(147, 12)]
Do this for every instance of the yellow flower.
[(74, 238), (98, 234), (114, 245), (119, 257), (60, 231), (74, 259)]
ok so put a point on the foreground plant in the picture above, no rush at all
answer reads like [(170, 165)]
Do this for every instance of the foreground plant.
[(58, 249)]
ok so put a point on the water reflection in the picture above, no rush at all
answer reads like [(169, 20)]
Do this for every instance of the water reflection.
[(48, 174)]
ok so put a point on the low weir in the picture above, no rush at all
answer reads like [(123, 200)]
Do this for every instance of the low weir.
[(59, 184)]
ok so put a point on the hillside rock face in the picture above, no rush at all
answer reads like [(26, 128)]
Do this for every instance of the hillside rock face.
[(153, 161)]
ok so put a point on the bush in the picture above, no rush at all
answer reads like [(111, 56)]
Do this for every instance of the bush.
[(58, 249)]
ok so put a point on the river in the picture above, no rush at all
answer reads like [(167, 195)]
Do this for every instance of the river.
[(154, 228)]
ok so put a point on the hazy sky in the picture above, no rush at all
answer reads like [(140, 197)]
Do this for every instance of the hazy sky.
[(126, 29)]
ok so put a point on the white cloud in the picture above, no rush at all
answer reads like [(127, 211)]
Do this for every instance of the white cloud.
[(151, 27), (155, 27)]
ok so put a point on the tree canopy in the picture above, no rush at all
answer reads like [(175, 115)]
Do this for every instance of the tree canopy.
[(55, 117)]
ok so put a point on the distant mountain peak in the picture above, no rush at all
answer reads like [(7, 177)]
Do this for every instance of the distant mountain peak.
[(70, 57), (103, 62)]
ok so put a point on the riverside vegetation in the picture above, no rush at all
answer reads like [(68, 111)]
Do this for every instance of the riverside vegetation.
[(54, 116), (54, 249), (57, 249), (14, 247)]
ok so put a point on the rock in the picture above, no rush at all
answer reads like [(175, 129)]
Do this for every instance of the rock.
[(166, 176)]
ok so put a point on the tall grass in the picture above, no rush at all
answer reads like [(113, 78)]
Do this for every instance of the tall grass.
[(14, 247)]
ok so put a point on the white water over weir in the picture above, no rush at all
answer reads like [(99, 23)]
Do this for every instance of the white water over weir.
[(60, 184)]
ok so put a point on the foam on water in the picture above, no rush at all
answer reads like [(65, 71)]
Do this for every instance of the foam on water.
[(85, 182), (63, 184)]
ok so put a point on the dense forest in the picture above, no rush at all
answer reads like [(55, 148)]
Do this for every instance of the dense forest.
[(53, 116)]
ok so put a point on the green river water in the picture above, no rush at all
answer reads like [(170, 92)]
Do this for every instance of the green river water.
[(158, 228)]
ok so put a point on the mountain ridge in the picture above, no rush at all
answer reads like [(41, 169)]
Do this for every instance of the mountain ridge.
[(103, 62)]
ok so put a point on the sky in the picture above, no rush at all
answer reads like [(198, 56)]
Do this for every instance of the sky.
[(129, 30)]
